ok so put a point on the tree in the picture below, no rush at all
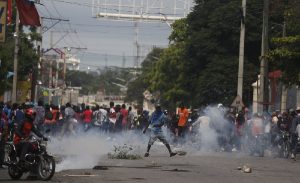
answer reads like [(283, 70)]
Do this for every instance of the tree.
[(27, 55), (168, 77), (200, 65), (285, 52), (142, 80)]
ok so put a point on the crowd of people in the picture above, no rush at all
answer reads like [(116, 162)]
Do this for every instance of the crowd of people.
[(255, 132), (236, 130)]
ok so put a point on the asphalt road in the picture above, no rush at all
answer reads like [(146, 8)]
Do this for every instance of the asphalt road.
[(159, 168)]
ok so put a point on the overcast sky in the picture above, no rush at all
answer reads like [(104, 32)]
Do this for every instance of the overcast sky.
[(101, 37)]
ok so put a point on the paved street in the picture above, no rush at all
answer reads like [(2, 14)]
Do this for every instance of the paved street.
[(216, 167)]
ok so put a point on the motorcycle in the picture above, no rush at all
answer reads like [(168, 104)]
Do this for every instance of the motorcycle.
[(38, 162), (284, 144)]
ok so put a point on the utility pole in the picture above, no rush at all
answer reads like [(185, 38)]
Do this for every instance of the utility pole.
[(15, 77), (263, 106), (284, 91), (241, 52), (50, 81), (137, 44)]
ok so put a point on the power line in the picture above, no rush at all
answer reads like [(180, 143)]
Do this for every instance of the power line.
[(112, 55), (89, 5)]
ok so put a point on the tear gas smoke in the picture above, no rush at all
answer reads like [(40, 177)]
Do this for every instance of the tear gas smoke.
[(209, 128), (84, 151)]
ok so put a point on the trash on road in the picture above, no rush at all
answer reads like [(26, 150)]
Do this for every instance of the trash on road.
[(245, 169)]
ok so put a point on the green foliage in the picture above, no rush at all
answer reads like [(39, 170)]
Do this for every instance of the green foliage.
[(27, 57), (168, 76), (135, 91), (179, 33), (142, 80), (285, 56), (6, 52), (200, 65), (285, 51), (107, 81)]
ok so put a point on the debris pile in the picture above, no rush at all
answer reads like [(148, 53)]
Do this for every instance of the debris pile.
[(245, 169), (123, 152)]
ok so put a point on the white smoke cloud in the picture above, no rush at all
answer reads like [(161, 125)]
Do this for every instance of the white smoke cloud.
[(207, 130), (84, 151)]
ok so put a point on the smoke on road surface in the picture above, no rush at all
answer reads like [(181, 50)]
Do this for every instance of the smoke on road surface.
[(85, 150)]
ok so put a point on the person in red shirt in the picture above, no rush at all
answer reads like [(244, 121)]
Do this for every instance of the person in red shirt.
[(87, 118), (23, 132), (124, 113)]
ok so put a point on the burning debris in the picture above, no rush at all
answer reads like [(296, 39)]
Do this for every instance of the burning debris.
[(123, 152)]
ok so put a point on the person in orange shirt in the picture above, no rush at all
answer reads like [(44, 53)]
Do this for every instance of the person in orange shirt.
[(183, 114)]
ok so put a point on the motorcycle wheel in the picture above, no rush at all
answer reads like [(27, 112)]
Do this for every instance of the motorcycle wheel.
[(14, 173), (286, 150), (46, 168)]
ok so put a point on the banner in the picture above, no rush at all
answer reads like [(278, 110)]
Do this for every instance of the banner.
[(28, 13), (3, 10), (9, 12)]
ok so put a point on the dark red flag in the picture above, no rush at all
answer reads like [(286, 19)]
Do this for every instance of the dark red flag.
[(28, 13), (9, 12)]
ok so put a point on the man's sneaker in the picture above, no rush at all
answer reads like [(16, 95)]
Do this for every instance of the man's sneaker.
[(146, 154), (172, 154), (292, 156)]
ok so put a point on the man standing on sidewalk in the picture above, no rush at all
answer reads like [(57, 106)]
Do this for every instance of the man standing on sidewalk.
[(157, 120)]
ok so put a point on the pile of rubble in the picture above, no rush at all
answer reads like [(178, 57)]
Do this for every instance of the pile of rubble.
[(124, 152)]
